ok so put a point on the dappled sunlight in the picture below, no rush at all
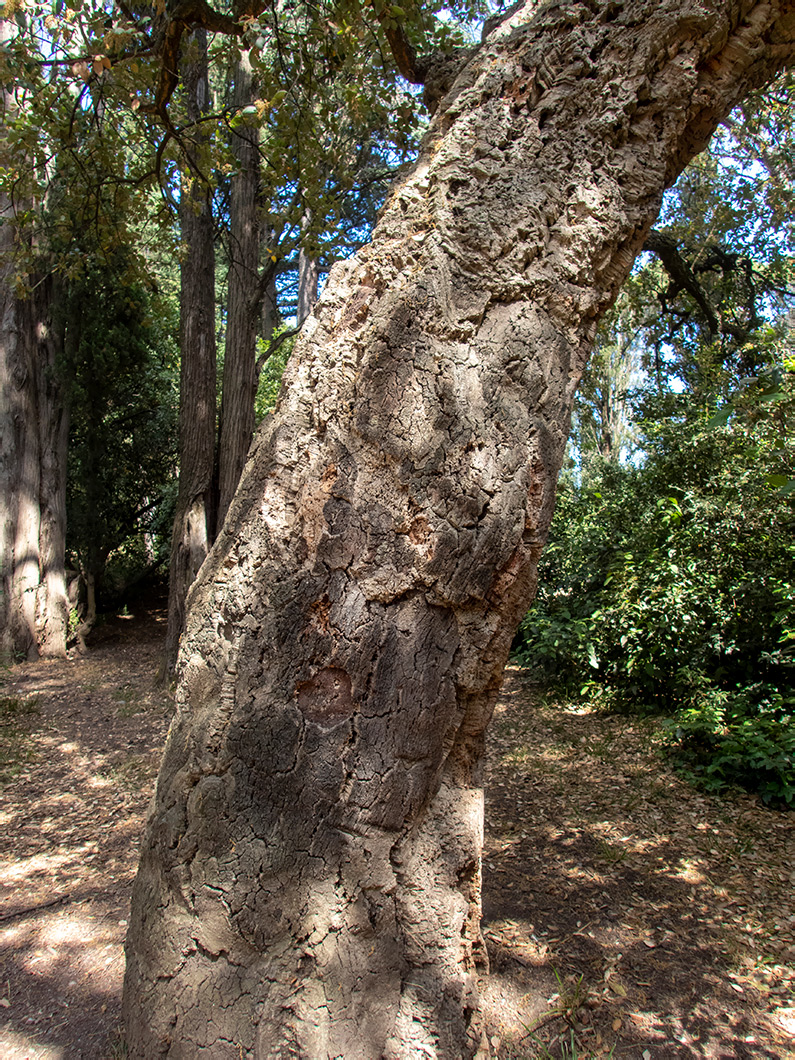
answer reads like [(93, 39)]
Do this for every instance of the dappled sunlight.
[(99, 780), (19, 1046), (666, 915), (70, 828), (86, 946), (13, 872), (690, 872)]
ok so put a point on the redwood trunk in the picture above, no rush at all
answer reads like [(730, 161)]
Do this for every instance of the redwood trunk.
[(243, 306), (34, 429), (194, 520), (310, 879), (34, 436), (52, 424)]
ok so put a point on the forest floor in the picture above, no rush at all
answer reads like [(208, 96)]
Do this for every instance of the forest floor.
[(626, 914)]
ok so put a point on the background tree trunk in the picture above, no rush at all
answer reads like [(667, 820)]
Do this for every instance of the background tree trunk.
[(244, 301), (35, 427), (52, 425), (194, 521), (21, 472), (308, 274), (8, 394), (310, 880)]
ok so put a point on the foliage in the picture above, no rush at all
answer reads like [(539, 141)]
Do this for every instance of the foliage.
[(270, 379), (120, 367), (688, 606), (668, 583)]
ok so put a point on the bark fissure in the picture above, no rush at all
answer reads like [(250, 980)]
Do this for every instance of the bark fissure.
[(383, 543)]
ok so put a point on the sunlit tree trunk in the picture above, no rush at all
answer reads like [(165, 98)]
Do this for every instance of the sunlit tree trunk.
[(34, 429), (307, 284), (194, 521), (19, 478), (33, 442), (52, 424), (310, 880)]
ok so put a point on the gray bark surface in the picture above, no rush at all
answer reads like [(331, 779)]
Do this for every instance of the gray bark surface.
[(310, 880), (194, 519), (308, 276)]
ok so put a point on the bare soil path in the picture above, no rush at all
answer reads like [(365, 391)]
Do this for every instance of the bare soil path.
[(625, 914)]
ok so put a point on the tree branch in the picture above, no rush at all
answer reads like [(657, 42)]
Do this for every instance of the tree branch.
[(682, 276)]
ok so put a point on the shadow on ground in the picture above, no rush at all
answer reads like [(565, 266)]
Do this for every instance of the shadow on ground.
[(620, 906), (658, 920)]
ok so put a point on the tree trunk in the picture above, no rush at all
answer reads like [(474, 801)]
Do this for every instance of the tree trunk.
[(34, 431), (52, 601), (310, 880), (244, 298), (269, 313), (308, 274), (19, 482), (194, 520), (8, 355)]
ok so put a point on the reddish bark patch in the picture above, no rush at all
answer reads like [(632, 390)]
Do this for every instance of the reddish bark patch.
[(320, 612), (326, 697)]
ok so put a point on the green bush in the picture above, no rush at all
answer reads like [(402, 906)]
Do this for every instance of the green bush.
[(670, 587)]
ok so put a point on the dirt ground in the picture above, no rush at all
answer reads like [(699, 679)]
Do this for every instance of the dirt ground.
[(626, 915)]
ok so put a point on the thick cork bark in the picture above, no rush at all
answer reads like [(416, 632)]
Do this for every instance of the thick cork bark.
[(310, 879)]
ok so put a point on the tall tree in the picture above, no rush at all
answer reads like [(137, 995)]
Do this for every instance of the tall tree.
[(33, 423), (195, 516), (245, 292), (309, 883)]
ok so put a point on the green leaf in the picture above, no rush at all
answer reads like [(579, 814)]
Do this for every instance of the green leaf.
[(721, 418)]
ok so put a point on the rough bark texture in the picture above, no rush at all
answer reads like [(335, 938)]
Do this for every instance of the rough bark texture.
[(34, 428), (194, 520), (10, 414), (8, 342), (44, 359), (243, 307), (309, 884), (33, 439)]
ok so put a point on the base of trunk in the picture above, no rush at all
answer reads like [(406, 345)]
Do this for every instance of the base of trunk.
[(369, 954)]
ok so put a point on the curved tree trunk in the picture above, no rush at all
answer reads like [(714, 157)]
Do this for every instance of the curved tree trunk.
[(309, 884), (244, 302), (194, 520)]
